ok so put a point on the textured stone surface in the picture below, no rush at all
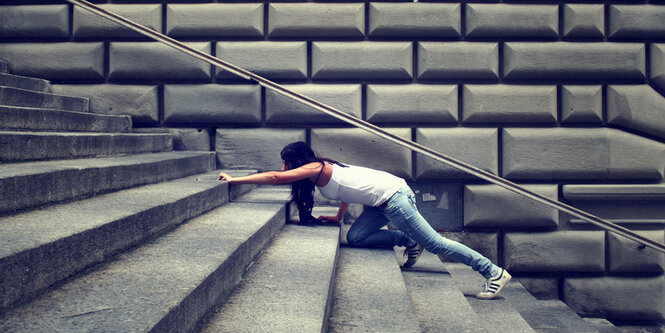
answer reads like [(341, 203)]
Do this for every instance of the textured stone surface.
[(340, 20), (557, 251), (614, 193), (458, 60), (636, 21), (499, 104), (581, 104), (626, 256), (494, 206), (637, 107), (139, 102), (510, 20), (44, 21), (153, 60), (214, 20), (212, 104), (475, 146), (371, 60), (572, 153), (273, 60), (266, 300), (542, 288), (624, 213), (87, 24), (414, 19), (26, 98), (362, 308), (583, 21), (574, 61), (197, 139), (486, 243), (357, 147), (54, 61), (657, 52), (412, 103), (343, 97), (249, 148), (632, 298)]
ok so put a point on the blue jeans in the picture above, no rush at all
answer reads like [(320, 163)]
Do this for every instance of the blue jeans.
[(401, 210)]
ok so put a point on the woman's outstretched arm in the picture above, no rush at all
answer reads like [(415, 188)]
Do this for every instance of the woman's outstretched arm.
[(310, 170)]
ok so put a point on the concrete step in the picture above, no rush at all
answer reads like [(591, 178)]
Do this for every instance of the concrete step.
[(498, 313), (546, 315), (4, 67), (41, 247), (439, 304), (370, 294), (29, 146), (288, 287), (166, 285), (31, 184), (24, 82), (23, 118), (10, 96)]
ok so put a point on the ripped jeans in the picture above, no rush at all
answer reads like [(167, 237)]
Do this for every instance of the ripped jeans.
[(401, 210)]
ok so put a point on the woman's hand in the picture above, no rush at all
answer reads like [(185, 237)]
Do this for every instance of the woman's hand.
[(329, 219), (225, 176)]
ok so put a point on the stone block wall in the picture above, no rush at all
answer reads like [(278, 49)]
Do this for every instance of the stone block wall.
[(566, 98)]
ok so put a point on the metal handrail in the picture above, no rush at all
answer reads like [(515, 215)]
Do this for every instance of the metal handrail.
[(605, 224)]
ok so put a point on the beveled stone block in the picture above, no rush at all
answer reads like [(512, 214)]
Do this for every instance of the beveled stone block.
[(212, 104), (253, 148), (511, 20), (614, 192), (496, 104), (56, 61), (657, 52), (458, 60), (556, 251), (580, 153), (197, 139), (494, 206), (357, 147), (636, 21), (632, 298), (215, 20), (283, 110), (273, 60), (486, 243), (42, 21), (625, 256), (362, 60), (475, 146), (412, 103), (574, 61), (637, 107), (90, 25), (584, 21), (581, 104), (415, 19), (138, 101), (156, 61), (339, 20)]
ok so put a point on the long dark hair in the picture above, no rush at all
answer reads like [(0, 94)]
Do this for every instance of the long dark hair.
[(295, 155)]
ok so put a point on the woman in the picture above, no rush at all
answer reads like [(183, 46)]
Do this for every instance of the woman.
[(386, 198)]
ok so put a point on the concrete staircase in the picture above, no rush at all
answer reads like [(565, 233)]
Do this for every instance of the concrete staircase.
[(103, 229)]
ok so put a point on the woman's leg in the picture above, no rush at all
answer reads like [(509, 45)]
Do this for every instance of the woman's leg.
[(366, 231), (403, 213)]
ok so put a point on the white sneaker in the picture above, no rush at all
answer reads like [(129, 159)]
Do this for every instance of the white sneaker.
[(494, 285)]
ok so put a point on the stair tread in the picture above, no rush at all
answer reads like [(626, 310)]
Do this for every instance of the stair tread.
[(168, 283), (370, 294), (28, 145), (41, 119), (288, 287), (64, 239), (499, 313), (24, 82), (29, 98), (22, 184), (438, 302)]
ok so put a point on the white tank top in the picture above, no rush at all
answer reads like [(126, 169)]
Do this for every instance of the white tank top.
[(355, 184)]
